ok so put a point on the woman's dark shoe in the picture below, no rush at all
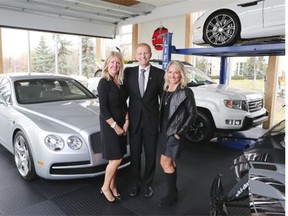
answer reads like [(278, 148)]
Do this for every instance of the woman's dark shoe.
[(118, 197), (112, 201), (169, 200), (172, 196), (116, 194)]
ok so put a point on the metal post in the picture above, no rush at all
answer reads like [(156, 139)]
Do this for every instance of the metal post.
[(223, 70), (167, 50)]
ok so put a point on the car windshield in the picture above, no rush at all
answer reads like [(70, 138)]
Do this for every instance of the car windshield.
[(196, 77), (31, 91), (276, 129)]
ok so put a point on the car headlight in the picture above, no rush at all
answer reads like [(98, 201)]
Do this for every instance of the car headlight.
[(54, 143), (236, 104), (74, 142)]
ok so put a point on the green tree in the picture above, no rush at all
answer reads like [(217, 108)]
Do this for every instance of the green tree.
[(42, 58), (88, 57), (255, 68), (63, 54)]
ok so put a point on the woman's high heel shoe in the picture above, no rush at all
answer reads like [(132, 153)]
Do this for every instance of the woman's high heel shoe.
[(118, 197), (113, 201), (168, 201)]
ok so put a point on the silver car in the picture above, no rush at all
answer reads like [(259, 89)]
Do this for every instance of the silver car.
[(51, 125)]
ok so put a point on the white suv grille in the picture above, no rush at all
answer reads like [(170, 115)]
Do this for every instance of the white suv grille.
[(255, 105)]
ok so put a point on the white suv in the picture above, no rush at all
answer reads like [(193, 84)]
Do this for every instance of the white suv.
[(219, 106)]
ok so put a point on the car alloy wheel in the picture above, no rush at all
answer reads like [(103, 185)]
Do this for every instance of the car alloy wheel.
[(23, 157), (202, 130), (222, 29)]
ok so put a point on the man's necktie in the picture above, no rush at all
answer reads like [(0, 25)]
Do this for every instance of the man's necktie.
[(142, 82)]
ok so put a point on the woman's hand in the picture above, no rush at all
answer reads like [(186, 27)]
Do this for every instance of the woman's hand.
[(126, 126), (119, 131), (177, 136)]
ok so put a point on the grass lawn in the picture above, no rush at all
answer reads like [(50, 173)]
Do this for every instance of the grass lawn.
[(258, 85)]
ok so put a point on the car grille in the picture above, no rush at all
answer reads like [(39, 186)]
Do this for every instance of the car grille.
[(67, 169), (95, 142), (265, 166), (256, 105)]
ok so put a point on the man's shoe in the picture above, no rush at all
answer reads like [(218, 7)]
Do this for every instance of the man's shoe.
[(148, 192), (134, 191)]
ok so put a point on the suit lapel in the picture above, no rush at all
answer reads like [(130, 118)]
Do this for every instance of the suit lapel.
[(150, 79), (136, 80)]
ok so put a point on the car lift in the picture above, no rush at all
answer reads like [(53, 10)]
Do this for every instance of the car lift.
[(276, 49), (238, 140)]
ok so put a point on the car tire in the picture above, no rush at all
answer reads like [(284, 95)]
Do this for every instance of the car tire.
[(23, 157), (202, 130), (222, 29)]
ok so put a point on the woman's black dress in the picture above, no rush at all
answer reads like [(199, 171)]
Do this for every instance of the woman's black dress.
[(112, 101), (171, 147)]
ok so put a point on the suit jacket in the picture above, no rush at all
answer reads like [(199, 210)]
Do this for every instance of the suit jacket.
[(144, 108)]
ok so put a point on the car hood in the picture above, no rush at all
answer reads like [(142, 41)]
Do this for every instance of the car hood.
[(270, 147), (76, 114), (230, 92), (265, 150)]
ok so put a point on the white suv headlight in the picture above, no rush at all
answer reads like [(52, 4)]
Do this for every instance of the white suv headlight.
[(236, 104), (54, 143), (74, 142)]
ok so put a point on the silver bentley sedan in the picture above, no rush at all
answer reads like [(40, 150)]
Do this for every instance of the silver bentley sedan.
[(50, 123)]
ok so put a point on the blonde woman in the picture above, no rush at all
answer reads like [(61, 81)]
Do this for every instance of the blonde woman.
[(114, 122), (177, 112)]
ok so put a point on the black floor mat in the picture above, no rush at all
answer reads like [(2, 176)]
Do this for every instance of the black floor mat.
[(197, 167)]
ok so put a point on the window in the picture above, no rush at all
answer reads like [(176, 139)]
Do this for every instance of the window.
[(239, 68)]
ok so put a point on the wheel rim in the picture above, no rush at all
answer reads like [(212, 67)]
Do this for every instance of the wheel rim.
[(221, 29), (22, 158), (197, 132)]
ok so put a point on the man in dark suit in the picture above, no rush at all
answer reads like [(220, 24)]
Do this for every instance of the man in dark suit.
[(144, 93)]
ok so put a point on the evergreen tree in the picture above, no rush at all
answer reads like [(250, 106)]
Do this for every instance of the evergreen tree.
[(42, 60), (88, 57), (63, 53)]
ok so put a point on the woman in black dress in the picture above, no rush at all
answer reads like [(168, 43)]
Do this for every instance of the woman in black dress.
[(177, 112), (114, 121)]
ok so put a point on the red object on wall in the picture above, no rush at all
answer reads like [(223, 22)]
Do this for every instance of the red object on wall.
[(157, 38)]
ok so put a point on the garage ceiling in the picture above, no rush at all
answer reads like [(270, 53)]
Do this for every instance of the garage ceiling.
[(92, 17)]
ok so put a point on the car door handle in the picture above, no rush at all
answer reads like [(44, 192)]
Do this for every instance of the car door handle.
[(248, 4)]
